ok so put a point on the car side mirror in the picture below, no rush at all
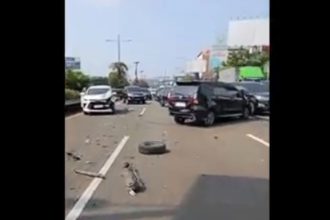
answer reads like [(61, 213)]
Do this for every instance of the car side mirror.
[(82, 94)]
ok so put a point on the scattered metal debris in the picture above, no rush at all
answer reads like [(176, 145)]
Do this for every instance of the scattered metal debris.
[(74, 156), (90, 174), (87, 140), (133, 181), (215, 137)]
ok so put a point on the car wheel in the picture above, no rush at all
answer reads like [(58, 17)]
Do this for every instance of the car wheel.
[(179, 120), (113, 109), (144, 102), (246, 113), (152, 147), (162, 103), (252, 108), (210, 118), (86, 113)]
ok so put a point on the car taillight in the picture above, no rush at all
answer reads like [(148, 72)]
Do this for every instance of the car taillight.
[(195, 100)]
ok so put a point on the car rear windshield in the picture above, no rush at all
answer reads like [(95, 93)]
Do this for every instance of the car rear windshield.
[(256, 87), (97, 91), (134, 90), (185, 90)]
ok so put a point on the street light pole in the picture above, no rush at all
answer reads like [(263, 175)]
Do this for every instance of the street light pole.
[(118, 45), (136, 69)]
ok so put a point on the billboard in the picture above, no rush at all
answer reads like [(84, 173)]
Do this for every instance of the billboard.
[(246, 33), (196, 66), (72, 63)]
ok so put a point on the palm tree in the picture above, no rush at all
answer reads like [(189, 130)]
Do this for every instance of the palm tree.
[(121, 68)]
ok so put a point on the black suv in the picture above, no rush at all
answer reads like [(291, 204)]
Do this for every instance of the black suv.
[(205, 101)]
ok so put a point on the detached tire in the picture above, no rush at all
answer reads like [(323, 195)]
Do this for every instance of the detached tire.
[(152, 147)]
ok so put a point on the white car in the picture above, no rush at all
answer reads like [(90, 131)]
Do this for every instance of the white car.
[(98, 99)]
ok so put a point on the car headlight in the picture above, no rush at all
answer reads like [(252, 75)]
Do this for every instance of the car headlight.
[(261, 98)]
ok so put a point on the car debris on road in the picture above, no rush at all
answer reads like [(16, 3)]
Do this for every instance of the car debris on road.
[(74, 156), (87, 140), (133, 181), (90, 174)]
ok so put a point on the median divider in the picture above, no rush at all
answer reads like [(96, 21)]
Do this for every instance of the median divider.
[(72, 106)]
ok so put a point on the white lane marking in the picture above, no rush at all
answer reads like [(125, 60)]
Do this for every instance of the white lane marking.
[(258, 139), (87, 194), (142, 112), (73, 116)]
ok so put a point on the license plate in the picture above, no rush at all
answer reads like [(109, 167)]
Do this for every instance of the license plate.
[(98, 106), (180, 104)]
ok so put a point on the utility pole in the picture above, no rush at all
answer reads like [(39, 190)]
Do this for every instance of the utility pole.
[(118, 40), (136, 69)]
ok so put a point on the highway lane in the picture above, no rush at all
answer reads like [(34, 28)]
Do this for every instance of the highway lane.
[(219, 166), (94, 137)]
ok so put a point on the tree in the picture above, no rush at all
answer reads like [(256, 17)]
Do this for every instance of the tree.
[(141, 83), (99, 80), (120, 67), (76, 80), (242, 57), (116, 80)]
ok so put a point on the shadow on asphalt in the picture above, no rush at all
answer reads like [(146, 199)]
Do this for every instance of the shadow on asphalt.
[(221, 122), (118, 112), (131, 215), (212, 197), (226, 197)]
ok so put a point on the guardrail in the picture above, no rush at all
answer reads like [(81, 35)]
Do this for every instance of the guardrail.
[(72, 106)]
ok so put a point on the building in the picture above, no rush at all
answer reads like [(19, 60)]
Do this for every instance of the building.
[(249, 33)]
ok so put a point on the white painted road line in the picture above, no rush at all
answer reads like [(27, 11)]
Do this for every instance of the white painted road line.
[(142, 112), (87, 194), (73, 116), (258, 139)]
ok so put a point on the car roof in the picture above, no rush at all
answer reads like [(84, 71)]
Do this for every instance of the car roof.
[(100, 87), (197, 83)]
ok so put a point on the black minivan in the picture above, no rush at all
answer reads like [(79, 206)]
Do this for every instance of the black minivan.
[(203, 102)]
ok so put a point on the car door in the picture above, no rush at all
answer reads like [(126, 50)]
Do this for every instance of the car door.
[(222, 99)]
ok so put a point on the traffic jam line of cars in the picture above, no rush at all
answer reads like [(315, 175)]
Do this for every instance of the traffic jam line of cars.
[(204, 102), (198, 101)]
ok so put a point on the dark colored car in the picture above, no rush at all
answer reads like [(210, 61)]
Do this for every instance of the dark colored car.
[(162, 96), (258, 91), (205, 101), (135, 95)]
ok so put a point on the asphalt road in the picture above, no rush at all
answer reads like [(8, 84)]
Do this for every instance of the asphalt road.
[(220, 172)]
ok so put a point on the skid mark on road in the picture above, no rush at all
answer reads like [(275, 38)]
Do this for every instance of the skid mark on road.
[(258, 140), (87, 194)]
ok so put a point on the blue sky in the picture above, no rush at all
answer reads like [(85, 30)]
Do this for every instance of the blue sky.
[(164, 33)]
